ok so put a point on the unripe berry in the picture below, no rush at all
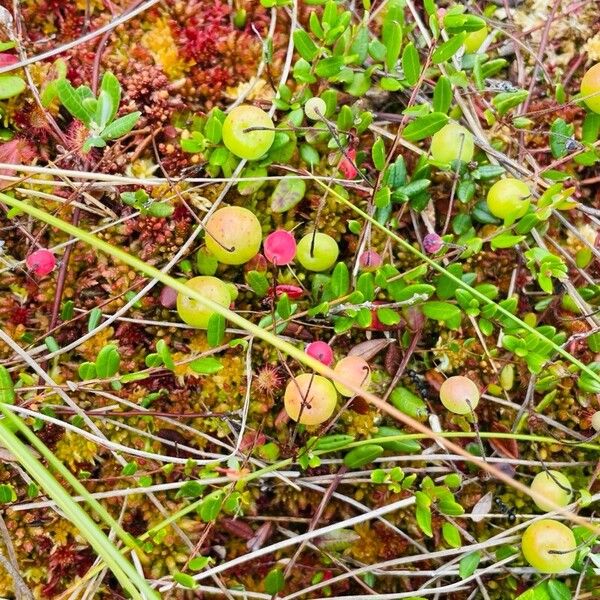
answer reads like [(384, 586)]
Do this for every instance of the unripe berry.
[(590, 88), (233, 235), (191, 311), (310, 399), (41, 262), (317, 252), (540, 542), (459, 395), (315, 108), (243, 143), (321, 351), (355, 370), (452, 142), (508, 199), (596, 420), (280, 247), (552, 486)]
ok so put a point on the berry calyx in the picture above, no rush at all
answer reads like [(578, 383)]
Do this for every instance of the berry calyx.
[(590, 88), (41, 262), (317, 252), (452, 142), (554, 486), (280, 247), (508, 199), (321, 351), (355, 370), (191, 311), (459, 395), (310, 399), (240, 136), (233, 235), (546, 544)]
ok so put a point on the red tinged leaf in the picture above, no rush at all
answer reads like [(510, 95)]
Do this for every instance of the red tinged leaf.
[(504, 447)]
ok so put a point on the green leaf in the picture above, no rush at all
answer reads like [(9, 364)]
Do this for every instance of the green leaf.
[(306, 48), (87, 370), (110, 84), (185, 580), (72, 101), (441, 311), (451, 535), (207, 365), (393, 43), (7, 493), (382, 197), (330, 443), (560, 134), (448, 49), (7, 388), (442, 95), (121, 126), (424, 126), (507, 100), (468, 564), (215, 333), (408, 403), (400, 446), (363, 455), (506, 240), (213, 129), (211, 506), (411, 64), (329, 67), (10, 86), (274, 581), (456, 23), (378, 154), (108, 362), (423, 515), (287, 193), (258, 282), (539, 592), (387, 316), (558, 590), (340, 280), (162, 349)]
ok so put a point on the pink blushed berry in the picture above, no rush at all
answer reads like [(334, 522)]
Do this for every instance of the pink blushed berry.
[(370, 260), (346, 164), (41, 262), (321, 351), (432, 243), (280, 247)]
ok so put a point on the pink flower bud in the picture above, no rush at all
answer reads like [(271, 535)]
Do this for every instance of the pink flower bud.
[(41, 262)]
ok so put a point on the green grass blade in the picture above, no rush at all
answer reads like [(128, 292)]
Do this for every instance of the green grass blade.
[(124, 571)]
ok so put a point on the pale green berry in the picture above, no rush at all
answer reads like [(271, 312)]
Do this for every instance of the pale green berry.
[(193, 312), (243, 143)]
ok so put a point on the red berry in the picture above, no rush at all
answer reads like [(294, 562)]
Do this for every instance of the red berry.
[(321, 351), (369, 260), (41, 262), (280, 247), (432, 243)]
